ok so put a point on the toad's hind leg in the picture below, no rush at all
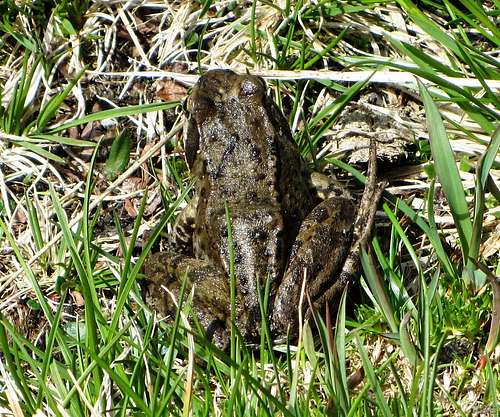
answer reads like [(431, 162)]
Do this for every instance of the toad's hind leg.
[(167, 271), (361, 233), (327, 251), (319, 251)]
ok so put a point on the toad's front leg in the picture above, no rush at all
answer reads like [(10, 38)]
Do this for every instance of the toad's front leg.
[(327, 252)]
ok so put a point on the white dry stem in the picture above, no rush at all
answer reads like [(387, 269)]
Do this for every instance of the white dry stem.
[(395, 78), (126, 22), (168, 43), (82, 395), (11, 392)]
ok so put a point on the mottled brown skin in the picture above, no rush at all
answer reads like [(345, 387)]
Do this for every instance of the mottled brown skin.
[(240, 150)]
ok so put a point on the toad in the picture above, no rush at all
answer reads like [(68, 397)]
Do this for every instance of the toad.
[(254, 217)]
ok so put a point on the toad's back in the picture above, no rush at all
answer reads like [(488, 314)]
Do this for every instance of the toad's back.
[(240, 148)]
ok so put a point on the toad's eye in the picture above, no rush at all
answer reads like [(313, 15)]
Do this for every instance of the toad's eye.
[(248, 87)]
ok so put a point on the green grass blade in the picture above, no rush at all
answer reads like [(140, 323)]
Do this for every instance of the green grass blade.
[(122, 295), (380, 401), (44, 139), (332, 111), (475, 9), (494, 334), (425, 61), (62, 140), (489, 157), (402, 235), (478, 68), (340, 370), (433, 373), (15, 109), (42, 152), (129, 250), (325, 51), (104, 351), (122, 383), (59, 378), (481, 181), (399, 293), (28, 271), (113, 113), (449, 396), (447, 172), (93, 312), (91, 300), (378, 289), (232, 285), (15, 371), (407, 345), (426, 296), (492, 388), (48, 353), (431, 28), (475, 108), (34, 224), (51, 108)]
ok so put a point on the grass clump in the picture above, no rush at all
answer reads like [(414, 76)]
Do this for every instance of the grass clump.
[(75, 336)]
